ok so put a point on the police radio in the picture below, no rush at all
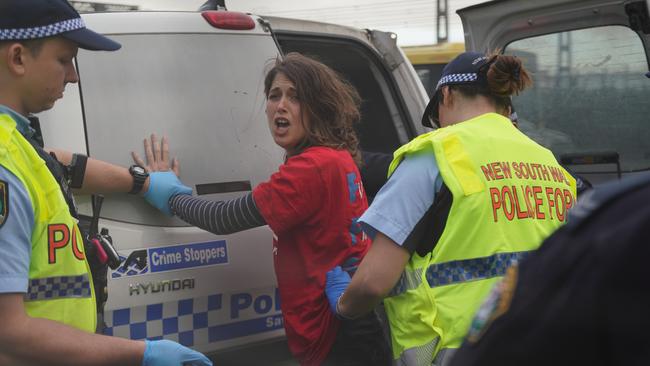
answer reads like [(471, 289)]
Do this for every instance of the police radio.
[(101, 240)]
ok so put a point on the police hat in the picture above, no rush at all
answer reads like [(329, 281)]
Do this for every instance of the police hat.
[(466, 68), (34, 19)]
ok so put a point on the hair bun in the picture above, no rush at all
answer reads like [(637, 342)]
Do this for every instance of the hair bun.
[(507, 76)]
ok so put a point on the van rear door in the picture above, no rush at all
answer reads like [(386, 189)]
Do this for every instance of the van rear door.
[(589, 103)]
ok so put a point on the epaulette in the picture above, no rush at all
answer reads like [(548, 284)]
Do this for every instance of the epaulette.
[(597, 199)]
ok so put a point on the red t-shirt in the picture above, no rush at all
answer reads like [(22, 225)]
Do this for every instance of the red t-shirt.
[(312, 205)]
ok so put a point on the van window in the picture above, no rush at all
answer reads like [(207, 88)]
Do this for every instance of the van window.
[(590, 95), (383, 127), (204, 91)]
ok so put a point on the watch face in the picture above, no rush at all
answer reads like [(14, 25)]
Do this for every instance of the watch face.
[(138, 169)]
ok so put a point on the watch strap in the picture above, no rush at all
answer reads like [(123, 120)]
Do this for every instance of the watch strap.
[(77, 170), (138, 179)]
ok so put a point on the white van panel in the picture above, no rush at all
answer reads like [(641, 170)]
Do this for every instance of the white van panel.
[(203, 91)]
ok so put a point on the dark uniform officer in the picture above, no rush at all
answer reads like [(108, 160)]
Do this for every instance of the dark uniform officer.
[(583, 298)]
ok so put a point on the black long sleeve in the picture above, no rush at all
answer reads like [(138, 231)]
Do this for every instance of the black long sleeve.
[(374, 172), (218, 217)]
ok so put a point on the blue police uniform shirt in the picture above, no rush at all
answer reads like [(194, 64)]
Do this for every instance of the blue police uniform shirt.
[(402, 202), (16, 232), (22, 123)]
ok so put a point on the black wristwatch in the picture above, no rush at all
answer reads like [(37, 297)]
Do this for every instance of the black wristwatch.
[(139, 177)]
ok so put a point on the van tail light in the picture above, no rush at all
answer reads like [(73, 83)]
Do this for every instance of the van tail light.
[(224, 19)]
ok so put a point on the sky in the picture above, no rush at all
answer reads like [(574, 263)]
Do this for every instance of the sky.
[(414, 21)]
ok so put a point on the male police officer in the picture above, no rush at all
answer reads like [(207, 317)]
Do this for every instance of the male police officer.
[(47, 303)]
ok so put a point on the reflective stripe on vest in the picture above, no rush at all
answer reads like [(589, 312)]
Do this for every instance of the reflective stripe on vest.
[(447, 273), (52, 288), (422, 355), (505, 202), (59, 276)]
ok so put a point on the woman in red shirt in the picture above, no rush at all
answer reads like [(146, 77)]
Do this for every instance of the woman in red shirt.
[(311, 204)]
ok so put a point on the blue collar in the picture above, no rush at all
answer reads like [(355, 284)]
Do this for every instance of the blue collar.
[(22, 123)]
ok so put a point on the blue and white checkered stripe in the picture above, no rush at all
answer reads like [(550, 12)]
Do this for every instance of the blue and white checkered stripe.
[(457, 78), (51, 288), (190, 322), (453, 272), (474, 269), (409, 280), (43, 31)]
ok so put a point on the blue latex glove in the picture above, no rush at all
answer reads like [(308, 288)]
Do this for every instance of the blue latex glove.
[(168, 353), (162, 186), (337, 281), (350, 265)]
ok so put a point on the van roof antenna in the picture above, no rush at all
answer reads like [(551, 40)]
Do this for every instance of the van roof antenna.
[(213, 5)]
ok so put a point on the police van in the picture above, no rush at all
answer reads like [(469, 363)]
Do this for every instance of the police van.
[(197, 77), (589, 60)]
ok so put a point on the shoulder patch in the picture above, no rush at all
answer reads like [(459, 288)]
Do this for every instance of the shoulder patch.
[(4, 202)]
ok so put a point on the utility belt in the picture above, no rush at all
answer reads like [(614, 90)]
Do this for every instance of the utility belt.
[(98, 245), (100, 254)]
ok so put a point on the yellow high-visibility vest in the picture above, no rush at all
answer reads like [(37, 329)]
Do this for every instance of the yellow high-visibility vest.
[(509, 194), (60, 285)]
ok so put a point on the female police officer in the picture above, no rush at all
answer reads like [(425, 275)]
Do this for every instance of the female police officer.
[(463, 203)]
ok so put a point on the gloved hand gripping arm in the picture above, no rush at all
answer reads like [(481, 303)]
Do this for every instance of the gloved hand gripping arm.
[(337, 281), (377, 274)]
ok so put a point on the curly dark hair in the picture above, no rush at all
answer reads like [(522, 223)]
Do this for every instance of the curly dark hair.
[(329, 101)]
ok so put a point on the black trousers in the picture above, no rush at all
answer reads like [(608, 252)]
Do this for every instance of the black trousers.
[(360, 342)]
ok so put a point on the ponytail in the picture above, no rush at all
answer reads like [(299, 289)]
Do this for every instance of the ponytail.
[(507, 76)]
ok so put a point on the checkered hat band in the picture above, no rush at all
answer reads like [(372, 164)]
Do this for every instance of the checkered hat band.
[(42, 32), (457, 78), (51, 288)]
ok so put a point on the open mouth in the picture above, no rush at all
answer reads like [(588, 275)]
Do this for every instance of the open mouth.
[(281, 123)]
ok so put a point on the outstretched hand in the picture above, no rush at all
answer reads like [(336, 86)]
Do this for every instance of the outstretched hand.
[(163, 182), (157, 156)]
